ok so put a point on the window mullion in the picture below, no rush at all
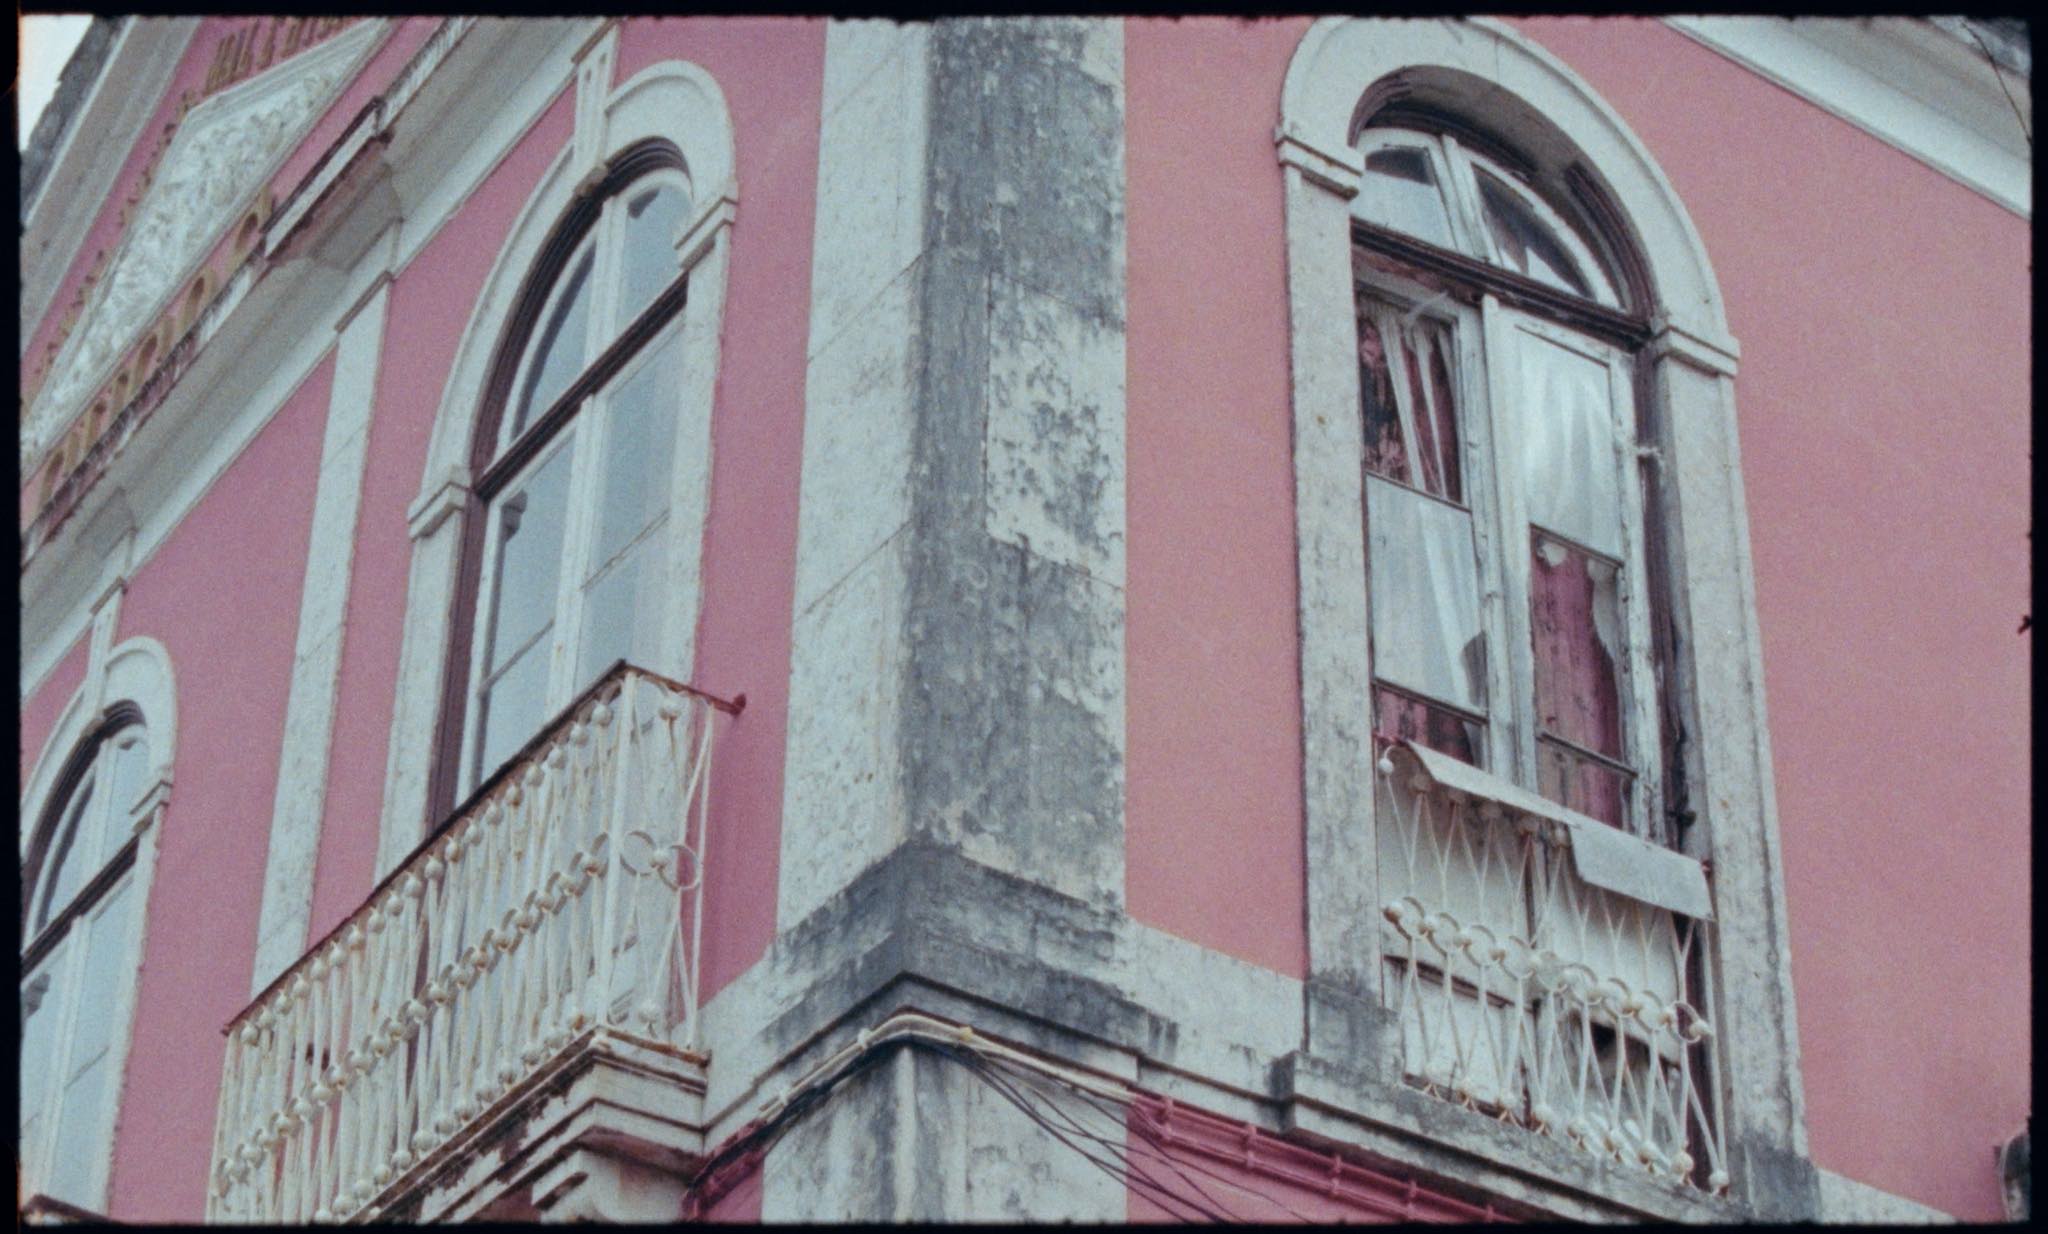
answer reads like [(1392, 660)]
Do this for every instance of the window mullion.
[(1640, 697), (1502, 375), (578, 536), (1461, 191), (488, 583), (607, 276), (103, 810), (585, 477), (1481, 451)]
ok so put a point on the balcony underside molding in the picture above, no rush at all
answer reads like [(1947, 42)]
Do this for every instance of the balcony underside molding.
[(1329, 1104), (608, 1096)]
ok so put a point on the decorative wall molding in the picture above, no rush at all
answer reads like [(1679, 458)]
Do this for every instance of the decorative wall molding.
[(137, 71), (226, 148), (1911, 84)]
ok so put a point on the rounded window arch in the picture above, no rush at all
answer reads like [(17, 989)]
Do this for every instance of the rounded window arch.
[(574, 454), (493, 442), (87, 855), (1516, 441), (86, 823)]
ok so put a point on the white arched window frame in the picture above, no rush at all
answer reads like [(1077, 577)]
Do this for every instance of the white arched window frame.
[(576, 487), (679, 107), (92, 816), (1683, 374)]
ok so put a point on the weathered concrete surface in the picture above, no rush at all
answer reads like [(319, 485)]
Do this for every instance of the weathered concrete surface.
[(1013, 707), (958, 665), (918, 1137)]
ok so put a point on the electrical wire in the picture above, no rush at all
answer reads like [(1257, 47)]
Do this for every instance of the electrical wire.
[(763, 1134), (1147, 1136), (2025, 130), (1216, 1206), (1034, 1087), (1118, 1166)]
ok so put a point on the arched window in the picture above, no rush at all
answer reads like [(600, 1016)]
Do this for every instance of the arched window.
[(560, 521), (81, 903), (1530, 669), (574, 456), (1510, 613)]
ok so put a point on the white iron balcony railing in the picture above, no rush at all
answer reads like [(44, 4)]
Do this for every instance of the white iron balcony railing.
[(1548, 969), (564, 896)]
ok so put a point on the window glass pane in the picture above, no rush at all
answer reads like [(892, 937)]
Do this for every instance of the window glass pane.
[(1575, 623), (1386, 453), (649, 261), (40, 1008), (512, 709), (29, 1146), (623, 609), (69, 850), (530, 522), (1405, 387), (1400, 192), (1579, 783), (107, 971), (1424, 359), (556, 355), (1396, 717), (639, 445), (1569, 471), (80, 1146), (1436, 345), (1525, 242), (1426, 631)]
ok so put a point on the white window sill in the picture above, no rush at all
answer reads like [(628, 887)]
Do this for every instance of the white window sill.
[(1604, 856)]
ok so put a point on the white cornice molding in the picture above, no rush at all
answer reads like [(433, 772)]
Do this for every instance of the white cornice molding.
[(225, 149), (1912, 85), (143, 60)]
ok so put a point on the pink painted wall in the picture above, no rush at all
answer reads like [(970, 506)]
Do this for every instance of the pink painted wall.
[(221, 591), (1193, 1166), (772, 75), (1885, 315), (1213, 698), (41, 711), (741, 1200)]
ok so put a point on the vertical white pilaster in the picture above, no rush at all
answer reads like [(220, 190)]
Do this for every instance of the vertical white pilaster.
[(316, 665), (842, 807), (593, 86)]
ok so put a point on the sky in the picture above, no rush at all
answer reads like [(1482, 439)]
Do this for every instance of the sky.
[(47, 41)]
